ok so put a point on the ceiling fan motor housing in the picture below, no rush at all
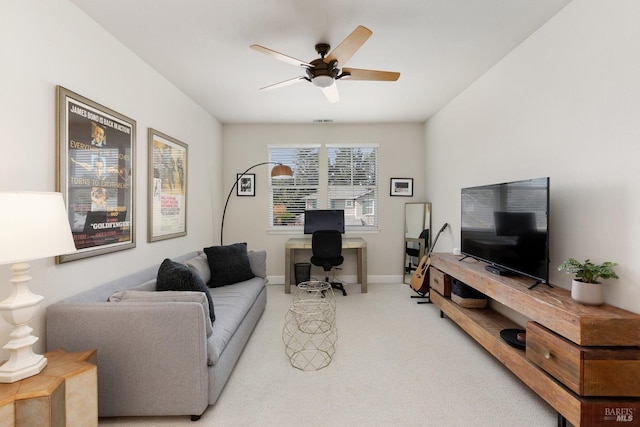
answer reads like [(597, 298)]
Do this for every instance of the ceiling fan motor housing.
[(323, 74)]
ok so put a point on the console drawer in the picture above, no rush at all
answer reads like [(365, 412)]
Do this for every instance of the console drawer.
[(587, 371), (440, 282)]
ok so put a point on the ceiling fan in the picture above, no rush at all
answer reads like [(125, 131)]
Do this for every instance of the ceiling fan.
[(324, 71)]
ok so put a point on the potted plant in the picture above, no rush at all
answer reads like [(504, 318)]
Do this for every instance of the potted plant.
[(585, 287)]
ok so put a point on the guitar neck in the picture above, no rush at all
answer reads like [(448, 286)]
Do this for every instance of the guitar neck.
[(436, 239)]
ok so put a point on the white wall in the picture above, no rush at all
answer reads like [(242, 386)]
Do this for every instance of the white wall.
[(564, 104), (49, 43), (401, 155)]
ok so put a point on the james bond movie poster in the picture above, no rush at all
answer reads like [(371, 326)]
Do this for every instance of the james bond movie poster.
[(96, 159)]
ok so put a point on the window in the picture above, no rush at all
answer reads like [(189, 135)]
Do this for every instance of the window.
[(353, 183), (346, 178), (290, 197)]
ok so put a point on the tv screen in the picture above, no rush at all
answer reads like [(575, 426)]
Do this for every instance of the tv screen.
[(507, 226), (323, 219)]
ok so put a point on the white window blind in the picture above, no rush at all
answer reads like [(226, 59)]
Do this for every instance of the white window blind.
[(353, 183), (289, 197)]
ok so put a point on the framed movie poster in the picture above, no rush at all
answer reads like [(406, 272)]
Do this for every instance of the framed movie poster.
[(96, 155), (246, 184), (402, 187), (167, 202)]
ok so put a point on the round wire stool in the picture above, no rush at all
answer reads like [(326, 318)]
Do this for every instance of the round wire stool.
[(309, 332), (315, 290)]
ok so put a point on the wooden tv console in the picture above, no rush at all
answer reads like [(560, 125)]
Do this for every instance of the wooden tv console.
[(584, 361)]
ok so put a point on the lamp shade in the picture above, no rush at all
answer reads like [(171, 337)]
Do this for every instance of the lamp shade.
[(33, 225), (281, 171)]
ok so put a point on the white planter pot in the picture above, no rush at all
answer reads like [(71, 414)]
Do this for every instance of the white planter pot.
[(587, 293)]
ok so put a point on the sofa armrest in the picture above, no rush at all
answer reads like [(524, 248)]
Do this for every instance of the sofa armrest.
[(152, 357)]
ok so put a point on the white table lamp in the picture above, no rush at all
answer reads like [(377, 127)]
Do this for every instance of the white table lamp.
[(32, 226)]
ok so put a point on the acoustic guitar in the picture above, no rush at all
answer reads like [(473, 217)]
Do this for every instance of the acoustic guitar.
[(420, 278)]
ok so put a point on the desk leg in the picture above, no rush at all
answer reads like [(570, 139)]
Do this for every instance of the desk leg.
[(362, 269), (287, 270)]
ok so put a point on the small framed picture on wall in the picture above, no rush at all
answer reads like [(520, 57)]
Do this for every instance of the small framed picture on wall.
[(402, 187), (246, 184)]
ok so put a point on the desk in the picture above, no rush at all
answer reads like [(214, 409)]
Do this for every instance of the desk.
[(356, 243)]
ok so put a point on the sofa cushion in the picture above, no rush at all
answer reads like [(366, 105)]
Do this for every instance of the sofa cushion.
[(201, 265), (228, 264), (175, 276), (149, 285), (232, 305), (166, 296)]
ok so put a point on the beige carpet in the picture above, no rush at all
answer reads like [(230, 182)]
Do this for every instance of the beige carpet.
[(397, 363)]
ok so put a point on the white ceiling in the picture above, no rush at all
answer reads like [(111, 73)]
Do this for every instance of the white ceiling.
[(438, 46)]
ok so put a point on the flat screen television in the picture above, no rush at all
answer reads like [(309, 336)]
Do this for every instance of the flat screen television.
[(507, 226), (323, 219)]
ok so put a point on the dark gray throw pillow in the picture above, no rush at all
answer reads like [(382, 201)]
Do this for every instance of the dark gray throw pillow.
[(174, 276), (228, 264)]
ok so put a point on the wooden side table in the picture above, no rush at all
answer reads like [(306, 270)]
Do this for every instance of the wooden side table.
[(65, 393)]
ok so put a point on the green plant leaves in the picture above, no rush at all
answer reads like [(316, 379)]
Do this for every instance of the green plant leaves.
[(587, 271)]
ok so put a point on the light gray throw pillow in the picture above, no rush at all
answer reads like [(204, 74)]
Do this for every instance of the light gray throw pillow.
[(166, 296), (258, 263), (201, 266)]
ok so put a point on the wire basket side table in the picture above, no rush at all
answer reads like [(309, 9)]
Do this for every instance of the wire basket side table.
[(310, 332)]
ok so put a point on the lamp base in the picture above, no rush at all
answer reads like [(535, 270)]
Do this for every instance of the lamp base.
[(18, 311), (22, 367)]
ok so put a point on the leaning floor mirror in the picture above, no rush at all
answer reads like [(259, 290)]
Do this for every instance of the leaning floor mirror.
[(417, 236)]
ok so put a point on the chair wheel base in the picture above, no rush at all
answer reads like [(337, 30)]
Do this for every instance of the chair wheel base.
[(339, 287)]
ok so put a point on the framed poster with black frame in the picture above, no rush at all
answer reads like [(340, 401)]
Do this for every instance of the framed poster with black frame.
[(402, 187), (167, 201), (246, 184), (95, 159)]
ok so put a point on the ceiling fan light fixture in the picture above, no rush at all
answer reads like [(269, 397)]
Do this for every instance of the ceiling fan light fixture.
[(322, 81)]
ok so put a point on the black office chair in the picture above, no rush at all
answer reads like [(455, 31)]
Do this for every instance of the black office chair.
[(415, 252), (326, 246)]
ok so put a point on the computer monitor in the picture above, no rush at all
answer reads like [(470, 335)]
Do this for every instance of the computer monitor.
[(323, 219)]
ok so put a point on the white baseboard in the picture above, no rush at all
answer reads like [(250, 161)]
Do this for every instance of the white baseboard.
[(279, 280)]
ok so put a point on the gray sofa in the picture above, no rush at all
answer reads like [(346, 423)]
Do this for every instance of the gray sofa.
[(155, 357)]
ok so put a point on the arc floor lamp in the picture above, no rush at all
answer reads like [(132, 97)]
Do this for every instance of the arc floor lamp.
[(279, 171)]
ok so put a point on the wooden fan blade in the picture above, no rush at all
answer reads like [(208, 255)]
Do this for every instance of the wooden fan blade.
[(331, 92), (349, 46), (359, 74), (284, 83), (281, 56)]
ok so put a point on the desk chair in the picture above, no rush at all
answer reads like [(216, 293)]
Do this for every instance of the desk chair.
[(326, 248)]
